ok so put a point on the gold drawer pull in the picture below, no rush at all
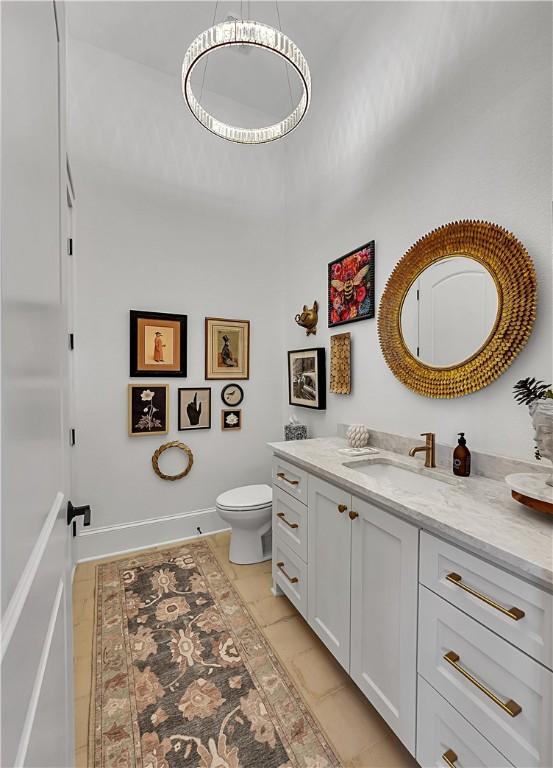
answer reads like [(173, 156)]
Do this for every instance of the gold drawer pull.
[(342, 508), (511, 707), (283, 477), (512, 613), (449, 757), (284, 520), (291, 579), (353, 515)]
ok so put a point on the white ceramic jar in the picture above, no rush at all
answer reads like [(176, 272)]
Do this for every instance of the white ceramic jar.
[(357, 435)]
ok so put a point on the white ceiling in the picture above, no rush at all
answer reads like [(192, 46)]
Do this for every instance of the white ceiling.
[(157, 34)]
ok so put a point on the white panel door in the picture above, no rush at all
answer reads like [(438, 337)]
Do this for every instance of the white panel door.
[(328, 566), (384, 582), (36, 653)]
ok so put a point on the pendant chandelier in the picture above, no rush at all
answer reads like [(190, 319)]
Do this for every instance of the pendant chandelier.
[(237, 32)]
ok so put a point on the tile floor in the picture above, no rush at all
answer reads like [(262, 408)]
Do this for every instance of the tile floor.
[(359, 735)]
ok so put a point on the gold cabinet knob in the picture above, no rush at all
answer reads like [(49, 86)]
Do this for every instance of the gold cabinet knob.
[(342, 508), (353, 515)]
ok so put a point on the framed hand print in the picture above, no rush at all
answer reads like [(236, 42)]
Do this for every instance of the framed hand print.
[(227, 349), (158, 344), (194, 408)]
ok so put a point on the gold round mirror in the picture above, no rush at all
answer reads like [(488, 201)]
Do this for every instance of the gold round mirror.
[(457, 309), (161, 450)]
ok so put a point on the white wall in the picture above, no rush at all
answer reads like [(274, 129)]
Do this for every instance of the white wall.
[(170, 219), (429, 113)]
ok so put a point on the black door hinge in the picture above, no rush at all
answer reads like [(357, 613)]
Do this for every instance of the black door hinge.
[(70, 246), (71, 341), (418, 351), (418, 295), (72, 437)]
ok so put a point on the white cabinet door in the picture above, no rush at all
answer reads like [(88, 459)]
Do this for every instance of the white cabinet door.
[(384, 575), (328, 568)]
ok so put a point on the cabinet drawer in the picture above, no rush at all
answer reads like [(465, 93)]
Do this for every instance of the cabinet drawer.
[(482, 665), (290, 522), (442, 734), (519, 612), (291, 479), (290, 573)]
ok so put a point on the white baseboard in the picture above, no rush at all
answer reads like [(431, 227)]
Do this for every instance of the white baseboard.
[(113, 540)]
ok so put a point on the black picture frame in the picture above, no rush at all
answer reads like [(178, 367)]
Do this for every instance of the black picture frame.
[(232, 386), (182, 419), (140, 368), (367, 284), (316, 379)]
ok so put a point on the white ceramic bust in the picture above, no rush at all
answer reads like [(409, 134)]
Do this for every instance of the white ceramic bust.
[(541, 412)]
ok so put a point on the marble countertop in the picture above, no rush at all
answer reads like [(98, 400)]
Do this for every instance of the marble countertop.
[(474, 512)]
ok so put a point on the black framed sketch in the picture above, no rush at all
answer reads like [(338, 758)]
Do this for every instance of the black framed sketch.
[(158, 345), (148, 409), (194, 408), (307, 378)]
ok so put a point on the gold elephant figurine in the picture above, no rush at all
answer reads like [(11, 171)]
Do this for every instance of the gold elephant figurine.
[(309, 318)]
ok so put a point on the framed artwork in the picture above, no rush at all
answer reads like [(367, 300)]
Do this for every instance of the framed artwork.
[(232, 394), (157, 344), (194, 408), (148, 409), (307, 378), (340, 364), (351, 286), (231, 420), (227, 348)]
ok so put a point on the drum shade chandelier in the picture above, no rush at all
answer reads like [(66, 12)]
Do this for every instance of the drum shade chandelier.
[(237, 32)]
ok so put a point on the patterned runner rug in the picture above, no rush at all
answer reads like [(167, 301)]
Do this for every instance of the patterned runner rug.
[(184, 677)]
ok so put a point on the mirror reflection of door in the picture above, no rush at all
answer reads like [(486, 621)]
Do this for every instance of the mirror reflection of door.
[(449, 311)]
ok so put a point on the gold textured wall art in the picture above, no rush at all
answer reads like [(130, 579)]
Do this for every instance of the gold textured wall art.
[(512, 270), (162, 448), (340, 363)]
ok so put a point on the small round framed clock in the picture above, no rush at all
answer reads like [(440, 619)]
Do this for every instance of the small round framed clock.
[(232, 394)]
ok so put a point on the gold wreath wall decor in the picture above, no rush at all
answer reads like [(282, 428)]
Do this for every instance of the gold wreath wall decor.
[(512, 269), (165, 447)]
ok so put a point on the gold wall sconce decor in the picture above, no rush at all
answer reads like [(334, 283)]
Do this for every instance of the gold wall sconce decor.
[(466, 270), (165, 447), (340, 364), (309, 318)]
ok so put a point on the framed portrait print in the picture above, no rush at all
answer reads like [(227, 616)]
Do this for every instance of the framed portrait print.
[(231, 420), (307, 378), (157, 344), (148, 409), (194, 408), (351, 286), (227, 349)]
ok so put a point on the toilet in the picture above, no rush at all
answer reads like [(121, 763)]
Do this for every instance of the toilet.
[(248, 512)]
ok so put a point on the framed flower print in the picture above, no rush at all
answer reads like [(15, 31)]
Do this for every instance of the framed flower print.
[(148, 409), (351, 286), (194, 408), (158, 344), (307, 378), (231, 420), (227, 349)]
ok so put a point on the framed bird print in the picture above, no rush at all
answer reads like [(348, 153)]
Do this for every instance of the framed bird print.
[(351, 286), (157, 344), (227, 349), (194, 408)]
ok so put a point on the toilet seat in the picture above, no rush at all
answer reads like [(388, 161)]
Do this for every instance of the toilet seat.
[(246, 498)]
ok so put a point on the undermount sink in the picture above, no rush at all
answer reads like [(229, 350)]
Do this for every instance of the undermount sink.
[(404, 477)]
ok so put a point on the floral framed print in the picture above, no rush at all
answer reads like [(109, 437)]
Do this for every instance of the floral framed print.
[(148, 409), (307, 378), (231, 420), (194, 408), (351, 286), (158, 345), (227, 349)]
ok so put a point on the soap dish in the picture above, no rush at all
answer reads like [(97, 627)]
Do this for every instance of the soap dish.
[(357, 451)]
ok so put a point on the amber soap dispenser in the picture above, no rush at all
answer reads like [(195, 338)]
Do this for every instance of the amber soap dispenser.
[(461, 458)]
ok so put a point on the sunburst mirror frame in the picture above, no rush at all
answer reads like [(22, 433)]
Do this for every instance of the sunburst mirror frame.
[(508, 262)]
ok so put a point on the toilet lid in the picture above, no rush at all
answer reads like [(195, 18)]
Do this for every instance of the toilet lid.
[(246, 497)]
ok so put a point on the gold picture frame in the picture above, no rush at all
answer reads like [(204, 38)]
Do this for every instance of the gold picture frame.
[(340, 364), (162, 448), (508, 262), (227, 349)]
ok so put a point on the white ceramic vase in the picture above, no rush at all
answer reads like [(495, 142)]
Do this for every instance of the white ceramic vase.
[(541, 413), (357, 435)]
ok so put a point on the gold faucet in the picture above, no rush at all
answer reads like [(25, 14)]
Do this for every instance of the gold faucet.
[(428, 448)]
